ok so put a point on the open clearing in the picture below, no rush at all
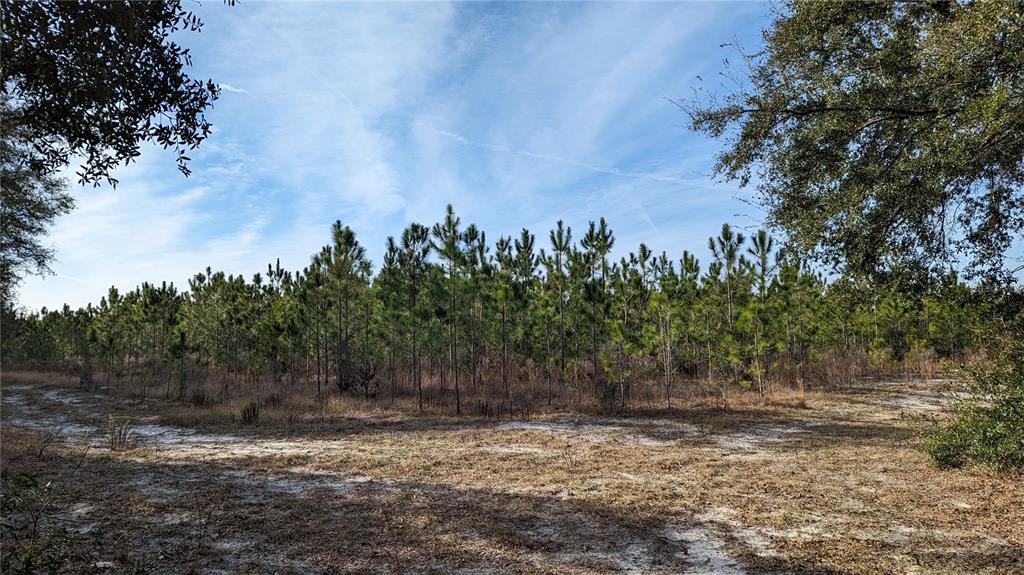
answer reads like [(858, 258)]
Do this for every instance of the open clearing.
[(837, 487)]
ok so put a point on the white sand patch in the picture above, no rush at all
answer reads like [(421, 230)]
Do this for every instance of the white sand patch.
[(584, 542), (155, 489), (60, 396), (304, 482), (646, 440), (168, 435), (183, 444), (757, 539), (553, 426), (660, 424), (80, 509), (918, 402), (172, 519), (634, 558), (757, 436), (58, 424), (800, 533), (231, 545), (19, 412), (15, 399), (705, 551)]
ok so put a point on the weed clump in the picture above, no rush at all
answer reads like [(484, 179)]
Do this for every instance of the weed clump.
[(273, 400), (120, 436), (200, 398), (250, 413)]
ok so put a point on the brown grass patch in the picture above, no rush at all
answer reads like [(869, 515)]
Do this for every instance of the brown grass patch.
[(836, 485)]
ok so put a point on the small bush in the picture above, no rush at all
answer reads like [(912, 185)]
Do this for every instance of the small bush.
[(200, 398), (273, 400), (250, 413), (85, 376), (988, 426), (119, 435), (34, 541)]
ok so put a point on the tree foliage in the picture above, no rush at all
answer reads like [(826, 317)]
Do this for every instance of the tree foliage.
[(451, 320), (89, 82), (97, 79), (30, 200), (988, 429), (885, 135)]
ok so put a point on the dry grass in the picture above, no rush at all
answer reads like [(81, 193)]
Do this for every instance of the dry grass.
[(825, 483)]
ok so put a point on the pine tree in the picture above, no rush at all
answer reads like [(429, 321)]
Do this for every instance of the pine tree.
[(446, 242)]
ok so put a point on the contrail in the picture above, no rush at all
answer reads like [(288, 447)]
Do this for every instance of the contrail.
[(584, 165)]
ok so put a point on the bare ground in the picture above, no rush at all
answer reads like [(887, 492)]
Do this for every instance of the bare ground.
[(838, 487)]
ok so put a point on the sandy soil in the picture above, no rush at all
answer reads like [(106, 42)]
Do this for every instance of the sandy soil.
[(839, 487)]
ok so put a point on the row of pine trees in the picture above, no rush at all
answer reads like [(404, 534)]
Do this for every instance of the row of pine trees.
[(450, 320)]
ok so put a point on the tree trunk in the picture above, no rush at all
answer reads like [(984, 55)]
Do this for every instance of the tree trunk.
[(504, 351), (455, 352)]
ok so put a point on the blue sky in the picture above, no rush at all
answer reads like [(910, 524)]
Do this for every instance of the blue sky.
[(381, 114)]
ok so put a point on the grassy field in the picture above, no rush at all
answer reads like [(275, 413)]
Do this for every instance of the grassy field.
[(835, 484)]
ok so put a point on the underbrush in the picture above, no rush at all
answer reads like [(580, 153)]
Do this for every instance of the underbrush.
[(527, 390), (988, 424), (33, 541), (33, 538), (120, 436), (250, 413)]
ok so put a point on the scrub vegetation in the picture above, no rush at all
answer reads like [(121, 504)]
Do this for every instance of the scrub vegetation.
[(841, 392)]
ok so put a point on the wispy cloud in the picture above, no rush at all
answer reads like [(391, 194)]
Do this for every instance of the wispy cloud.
[(342, 76), (554, 158), (379, 114), (229, 88)]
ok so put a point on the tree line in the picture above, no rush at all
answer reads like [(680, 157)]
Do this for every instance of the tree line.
[(450, 319)]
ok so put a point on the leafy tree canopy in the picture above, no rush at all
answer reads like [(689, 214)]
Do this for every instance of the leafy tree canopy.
[(884, 135), (96, 79), (29, 202), (89, 82)]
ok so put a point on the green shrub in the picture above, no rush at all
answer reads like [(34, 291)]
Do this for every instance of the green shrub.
[(988, 424)]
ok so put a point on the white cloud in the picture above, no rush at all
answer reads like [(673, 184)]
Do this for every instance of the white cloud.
[(379, 114), (119, 237), (312, 144), (229, 88), (553, 120), (335, 76)]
